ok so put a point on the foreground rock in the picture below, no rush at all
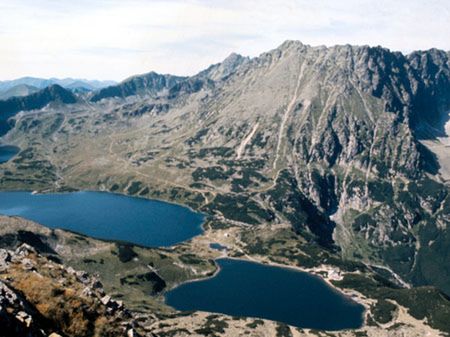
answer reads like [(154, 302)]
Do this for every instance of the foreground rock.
[(39, 297)]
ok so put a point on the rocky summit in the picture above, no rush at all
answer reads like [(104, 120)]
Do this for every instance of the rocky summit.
[(345, 146)]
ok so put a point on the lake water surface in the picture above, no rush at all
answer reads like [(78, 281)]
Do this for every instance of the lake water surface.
[(7, 152), (243, 288), (107, 216)]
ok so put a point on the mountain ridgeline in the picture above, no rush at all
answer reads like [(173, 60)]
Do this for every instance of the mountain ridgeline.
[(148, 84), (41, 83), (332, 141), (37, 100)]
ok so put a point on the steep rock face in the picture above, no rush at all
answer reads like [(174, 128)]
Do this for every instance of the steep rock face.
[(330, 107), (312, 110), (432, 94)]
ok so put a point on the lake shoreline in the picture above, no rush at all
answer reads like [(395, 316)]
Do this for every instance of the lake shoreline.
[(309, 271), (90, 212), (329, 297)]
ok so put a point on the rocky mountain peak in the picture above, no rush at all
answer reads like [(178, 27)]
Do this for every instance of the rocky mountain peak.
[(291, 44), (231, 63), (221, 71)]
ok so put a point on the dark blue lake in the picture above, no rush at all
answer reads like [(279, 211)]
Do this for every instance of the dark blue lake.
[(250, 289), (107, 216), (7, 152)]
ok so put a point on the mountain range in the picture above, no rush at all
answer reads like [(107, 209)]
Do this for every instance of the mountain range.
[(28, 85), (348, 146)]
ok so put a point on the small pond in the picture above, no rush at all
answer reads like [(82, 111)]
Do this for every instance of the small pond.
[(7, 152)]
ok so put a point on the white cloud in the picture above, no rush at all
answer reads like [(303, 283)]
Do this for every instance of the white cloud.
[(112, 39)]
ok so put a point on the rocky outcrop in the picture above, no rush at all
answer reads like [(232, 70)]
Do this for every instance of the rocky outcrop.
[(39, 297), (17, 317)]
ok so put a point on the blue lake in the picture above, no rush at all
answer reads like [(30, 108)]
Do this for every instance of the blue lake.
[(7, 152), (250, 289), (107, 216)]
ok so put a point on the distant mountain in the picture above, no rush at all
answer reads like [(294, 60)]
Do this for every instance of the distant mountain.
[(39, 83), (80, 84), (73, 83), (17, 91), (147, 84), (68, 83), (38, 100)]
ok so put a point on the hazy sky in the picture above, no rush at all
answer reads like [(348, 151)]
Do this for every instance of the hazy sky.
[(113, 39)]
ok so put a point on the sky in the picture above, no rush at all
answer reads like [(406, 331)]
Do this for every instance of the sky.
[(114, 39)]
